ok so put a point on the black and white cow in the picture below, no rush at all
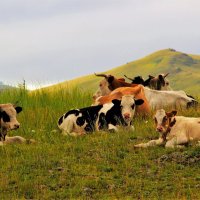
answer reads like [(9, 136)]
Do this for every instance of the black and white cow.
[(95, 118), (8, 120)]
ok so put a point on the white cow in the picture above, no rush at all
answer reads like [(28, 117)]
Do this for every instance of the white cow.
[(175, 131), (168, 99)]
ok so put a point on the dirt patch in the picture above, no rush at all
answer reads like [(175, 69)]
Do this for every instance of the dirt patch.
[(179, 157)]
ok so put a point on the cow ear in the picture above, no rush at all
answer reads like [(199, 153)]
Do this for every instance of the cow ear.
[(139, 102), (116, 101), (172, 113), (160, 77), (121, 79), (151, 77), (110, 79), (18, 109)]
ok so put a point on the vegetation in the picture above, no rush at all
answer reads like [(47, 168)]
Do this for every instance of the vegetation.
[(96, 166), (184, 71)]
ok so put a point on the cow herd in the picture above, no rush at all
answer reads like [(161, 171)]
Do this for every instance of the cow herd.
[(115, 104)]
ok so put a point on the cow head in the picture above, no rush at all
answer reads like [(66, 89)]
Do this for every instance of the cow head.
[(164, 120), (136, 80), (8, 120), (103, 87), (127, 105), (159, 82), (108, 84)]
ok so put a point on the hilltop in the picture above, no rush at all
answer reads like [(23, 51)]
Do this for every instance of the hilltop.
[(184, 71)]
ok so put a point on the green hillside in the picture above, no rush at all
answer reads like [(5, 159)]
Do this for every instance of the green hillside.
[(184, 71)]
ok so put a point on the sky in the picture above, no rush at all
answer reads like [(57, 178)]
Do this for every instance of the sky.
[(50, 41)]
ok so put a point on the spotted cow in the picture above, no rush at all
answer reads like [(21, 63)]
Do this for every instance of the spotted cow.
[(94, 118)]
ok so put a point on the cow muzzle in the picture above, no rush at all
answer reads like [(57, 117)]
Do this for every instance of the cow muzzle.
[(14, 126), (159, 129), (127, 116)]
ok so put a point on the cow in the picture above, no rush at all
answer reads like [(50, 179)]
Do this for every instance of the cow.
[(157, 83), (110, 83), (168, 99), (174, 131), (138, 91), (94, 118), (8, 122)]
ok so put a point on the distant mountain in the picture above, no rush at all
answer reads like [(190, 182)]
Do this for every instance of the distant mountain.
[(184, 71), (3, 86)]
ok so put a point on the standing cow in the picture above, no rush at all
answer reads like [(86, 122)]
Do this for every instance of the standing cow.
[(94, 118)]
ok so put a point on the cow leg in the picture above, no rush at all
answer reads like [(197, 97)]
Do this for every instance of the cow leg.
[(151, 143), (111, 127), (68, 127), (132, 128), (177, 142)]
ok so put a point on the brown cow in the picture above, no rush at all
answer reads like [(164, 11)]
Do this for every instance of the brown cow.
[(138, 93), (109, 83)]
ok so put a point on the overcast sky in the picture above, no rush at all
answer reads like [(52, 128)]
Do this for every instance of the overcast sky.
[(48, 41)]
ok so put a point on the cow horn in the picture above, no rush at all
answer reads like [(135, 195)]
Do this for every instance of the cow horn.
[(128, 78), (103, 75), (166, 75)]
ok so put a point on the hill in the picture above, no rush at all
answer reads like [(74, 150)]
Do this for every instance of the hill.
[(4, 86), (184, 71)]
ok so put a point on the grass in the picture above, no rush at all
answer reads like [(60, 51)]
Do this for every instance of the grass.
[(96, 166)]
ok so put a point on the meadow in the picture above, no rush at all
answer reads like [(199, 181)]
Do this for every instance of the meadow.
[(101, 165)]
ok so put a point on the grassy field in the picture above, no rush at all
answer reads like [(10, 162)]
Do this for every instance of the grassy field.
[(96, 166)]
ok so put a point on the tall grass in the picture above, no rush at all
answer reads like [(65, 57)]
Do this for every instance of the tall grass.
[(97, 166)]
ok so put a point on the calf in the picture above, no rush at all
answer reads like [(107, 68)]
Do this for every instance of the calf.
[(8, 120), (107, 116), (175, 131)]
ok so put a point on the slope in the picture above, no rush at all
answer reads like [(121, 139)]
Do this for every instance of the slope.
[(184, 71)]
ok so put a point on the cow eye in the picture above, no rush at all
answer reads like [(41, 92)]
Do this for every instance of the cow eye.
[(165, 119), (5, 116), (155, 120), (133, 106), (100, 85)]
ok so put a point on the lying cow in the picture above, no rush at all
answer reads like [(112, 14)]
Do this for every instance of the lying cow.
[(175, 131), (94, 118), (8, 122), (157, 83), (108, 84), (137, 92), (168, 99)]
